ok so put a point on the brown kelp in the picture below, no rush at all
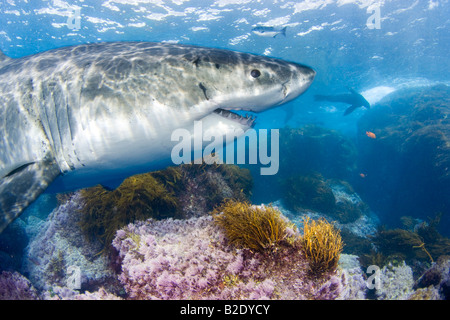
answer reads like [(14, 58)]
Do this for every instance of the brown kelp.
[(322, 245), (176, 192), (257, 228)]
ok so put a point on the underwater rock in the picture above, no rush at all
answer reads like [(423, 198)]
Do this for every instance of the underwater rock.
[(176, 192), (207, 186), (15, 238), (333, 198), (308, 192), (139, 197), (396, 283), (348, 212), (192, 259), (60, 245), (64, 293), (60, 242), (356, 228), (429, 293), (355, 283), (437, 277), (14, 286), (407, 166)]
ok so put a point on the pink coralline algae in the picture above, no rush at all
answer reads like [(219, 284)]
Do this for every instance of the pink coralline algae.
[(191, 259), (14, 286)]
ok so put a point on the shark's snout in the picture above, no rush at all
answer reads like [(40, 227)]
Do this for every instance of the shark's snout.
[(308, 74), (301, 80)]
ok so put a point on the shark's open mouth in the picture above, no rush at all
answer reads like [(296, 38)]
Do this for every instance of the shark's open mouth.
[(248, 120)]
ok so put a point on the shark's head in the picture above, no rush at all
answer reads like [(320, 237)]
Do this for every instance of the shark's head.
[(240, 81), (191, 80)]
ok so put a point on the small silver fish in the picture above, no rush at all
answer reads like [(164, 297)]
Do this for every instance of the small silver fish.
[(268, 31)]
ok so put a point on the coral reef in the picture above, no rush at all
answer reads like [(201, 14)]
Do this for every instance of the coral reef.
[(322, 245), (58, 245), (258, 228), (355, 282), (192, 259), (138, 198), (14, 286), (396, 283), (176, 192)]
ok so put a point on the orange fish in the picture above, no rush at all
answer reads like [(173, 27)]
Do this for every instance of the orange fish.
[(362, 175), (371, 135)]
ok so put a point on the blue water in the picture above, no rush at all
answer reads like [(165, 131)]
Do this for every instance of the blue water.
[(411, 45), (377, 47)]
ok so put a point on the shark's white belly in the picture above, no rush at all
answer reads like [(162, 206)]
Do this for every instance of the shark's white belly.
[(103, 143)]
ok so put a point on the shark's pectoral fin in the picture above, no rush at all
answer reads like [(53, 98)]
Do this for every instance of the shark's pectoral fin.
[(350, 109), (22, 186)]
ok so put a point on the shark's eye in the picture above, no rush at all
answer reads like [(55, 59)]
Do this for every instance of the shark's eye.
[(255, 73)]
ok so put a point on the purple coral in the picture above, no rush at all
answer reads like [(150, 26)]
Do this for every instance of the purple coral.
[(14, 286), (191, 259)]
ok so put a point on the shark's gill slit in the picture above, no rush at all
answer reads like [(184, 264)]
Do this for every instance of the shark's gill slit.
[(203, 89)]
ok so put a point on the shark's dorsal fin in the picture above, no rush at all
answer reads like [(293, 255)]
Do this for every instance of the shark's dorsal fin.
[(22, 186)]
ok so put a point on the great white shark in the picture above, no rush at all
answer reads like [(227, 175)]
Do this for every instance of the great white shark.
[(81, 114)]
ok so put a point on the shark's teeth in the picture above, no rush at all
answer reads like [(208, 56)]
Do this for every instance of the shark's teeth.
[(247, 120)]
